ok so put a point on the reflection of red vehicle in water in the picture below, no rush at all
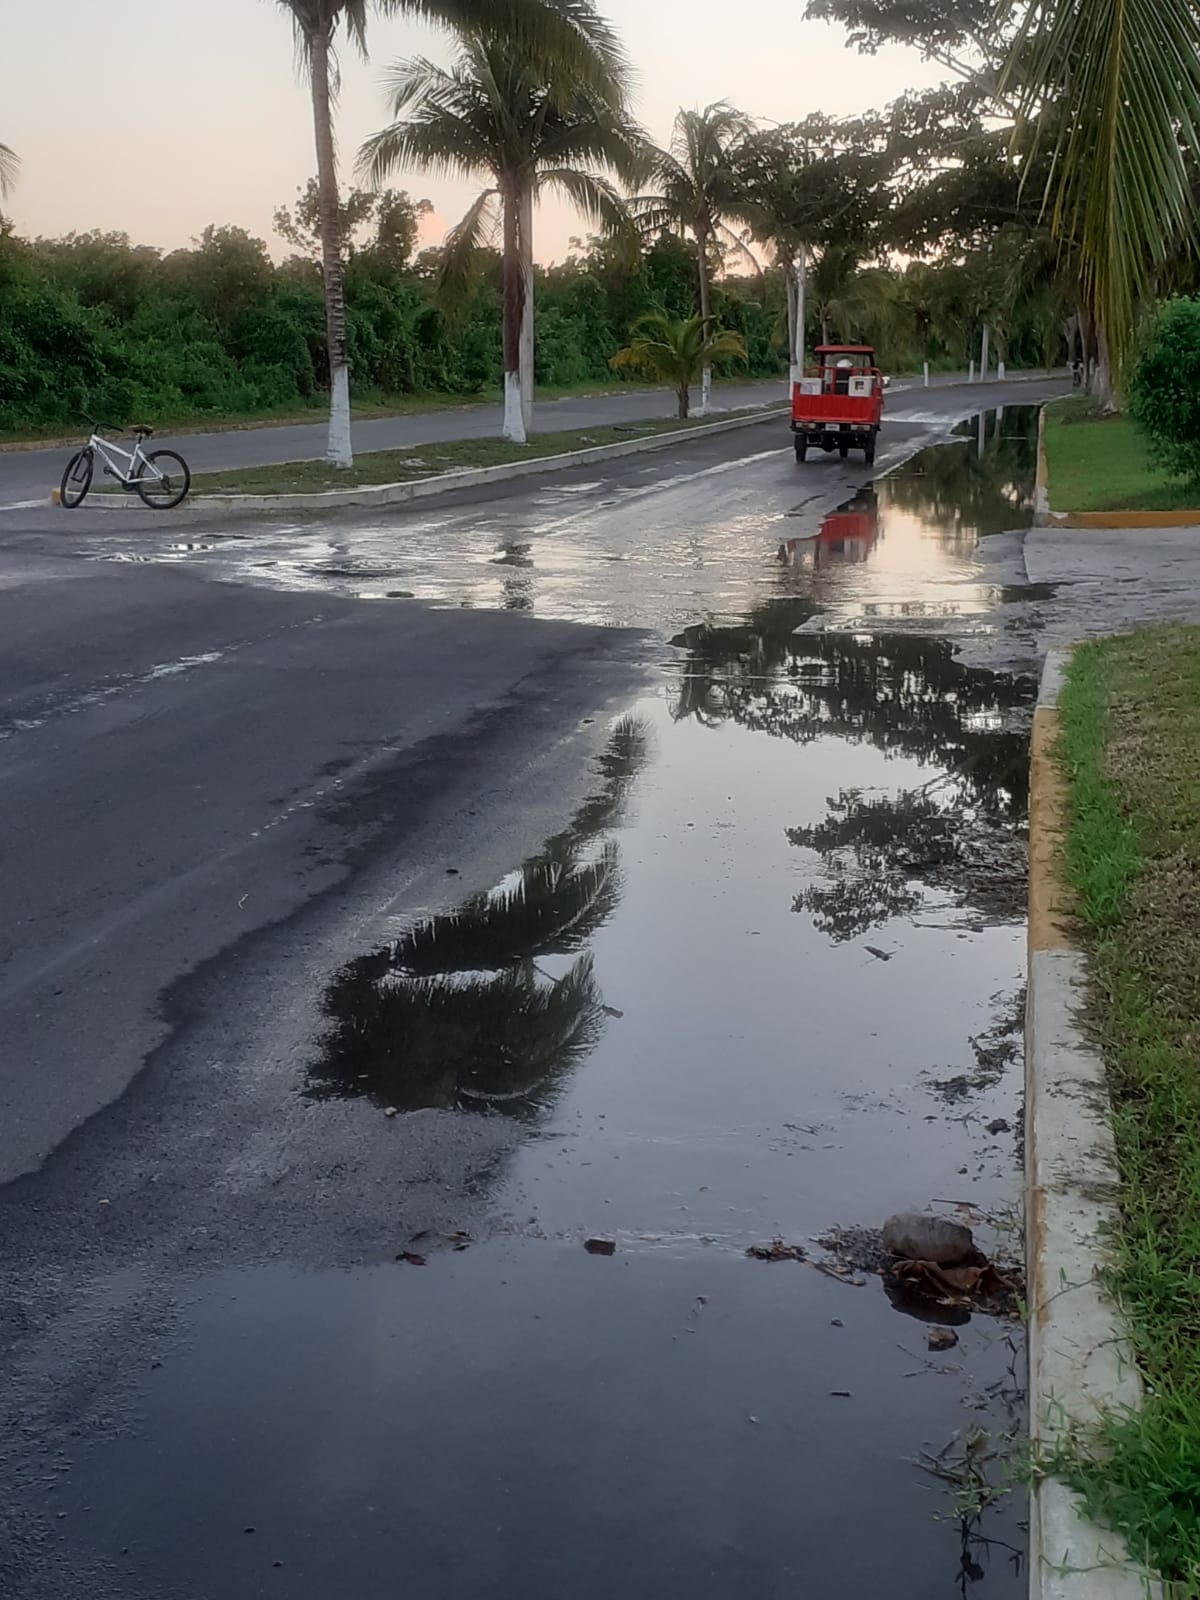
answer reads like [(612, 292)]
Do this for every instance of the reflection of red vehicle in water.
[(839, 403), (846, 536)]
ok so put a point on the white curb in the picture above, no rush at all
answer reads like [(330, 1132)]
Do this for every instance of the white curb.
[(389, 494), (1080, 1363)]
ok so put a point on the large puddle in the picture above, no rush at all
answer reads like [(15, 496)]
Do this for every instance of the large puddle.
[(663, 553), (765, 984), (753, 991)]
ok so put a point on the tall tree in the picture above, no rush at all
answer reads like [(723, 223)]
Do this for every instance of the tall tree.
[(495, 115), (1113, 87), (699, 191), (809, 190), (565, 32)]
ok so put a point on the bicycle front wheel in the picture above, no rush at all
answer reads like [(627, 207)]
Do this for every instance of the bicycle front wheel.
[(76, 480), (164, 479)]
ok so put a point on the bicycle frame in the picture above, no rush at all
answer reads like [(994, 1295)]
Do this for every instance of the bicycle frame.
[(134, 459)]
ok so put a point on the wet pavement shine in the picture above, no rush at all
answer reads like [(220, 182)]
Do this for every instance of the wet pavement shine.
[(765, 984)]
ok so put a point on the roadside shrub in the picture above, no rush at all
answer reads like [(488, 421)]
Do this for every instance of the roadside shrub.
[(1164, 388)]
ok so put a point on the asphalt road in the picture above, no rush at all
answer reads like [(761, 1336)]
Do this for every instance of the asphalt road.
[(184, 761), (31, 474), (233, 759)]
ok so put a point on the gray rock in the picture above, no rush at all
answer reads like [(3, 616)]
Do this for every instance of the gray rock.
[(920, 1237)]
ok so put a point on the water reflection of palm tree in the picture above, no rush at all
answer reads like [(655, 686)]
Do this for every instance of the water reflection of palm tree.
[(908, 695), (460, 1011), (725, 663)]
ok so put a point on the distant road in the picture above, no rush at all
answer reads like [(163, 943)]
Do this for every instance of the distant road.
[(31, 474)]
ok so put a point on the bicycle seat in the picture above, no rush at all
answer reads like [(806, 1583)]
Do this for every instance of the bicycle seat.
[(142, 431)]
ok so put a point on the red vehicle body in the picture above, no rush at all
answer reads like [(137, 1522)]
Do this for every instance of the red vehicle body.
[(838, 404)]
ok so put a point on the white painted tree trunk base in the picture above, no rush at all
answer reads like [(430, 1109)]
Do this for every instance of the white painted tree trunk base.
[(338, 451), (514, 411), (705, 393)]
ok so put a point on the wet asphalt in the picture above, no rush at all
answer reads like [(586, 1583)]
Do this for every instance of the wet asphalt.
[(636, 856)]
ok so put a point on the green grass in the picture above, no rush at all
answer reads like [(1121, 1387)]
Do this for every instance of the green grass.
[(1131, 748), (1099, 463), (422, 461)]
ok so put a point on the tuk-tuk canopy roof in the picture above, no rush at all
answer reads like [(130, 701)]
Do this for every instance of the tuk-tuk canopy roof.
[(844, 349)]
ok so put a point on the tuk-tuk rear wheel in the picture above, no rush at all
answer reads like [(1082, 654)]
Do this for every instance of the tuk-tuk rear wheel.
[(801, 448)]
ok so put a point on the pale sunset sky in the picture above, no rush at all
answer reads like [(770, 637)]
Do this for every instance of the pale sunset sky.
[(161, 118)]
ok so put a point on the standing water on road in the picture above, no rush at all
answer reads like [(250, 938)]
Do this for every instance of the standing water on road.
[(765, 985)]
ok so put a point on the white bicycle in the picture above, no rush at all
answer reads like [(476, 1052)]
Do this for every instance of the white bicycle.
[(161, 478)]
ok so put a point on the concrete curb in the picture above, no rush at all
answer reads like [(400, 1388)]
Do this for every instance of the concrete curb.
[(1080, 1363), (388, 494)]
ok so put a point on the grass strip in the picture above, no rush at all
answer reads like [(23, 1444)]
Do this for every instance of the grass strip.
[(1131, 749), (1102, 463), (424, 461)]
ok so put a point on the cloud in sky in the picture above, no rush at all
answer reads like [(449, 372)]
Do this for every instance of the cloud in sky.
[(176, 115)]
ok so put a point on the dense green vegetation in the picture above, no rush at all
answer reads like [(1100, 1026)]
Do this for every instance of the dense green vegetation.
[(93, 325), (1164, 390), (1131, 749)]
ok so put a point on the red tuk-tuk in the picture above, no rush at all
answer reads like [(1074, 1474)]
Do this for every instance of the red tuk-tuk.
[(838, 404)]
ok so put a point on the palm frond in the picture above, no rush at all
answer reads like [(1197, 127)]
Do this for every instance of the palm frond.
[(1113, 87), (594, 197), (446, 147), (566, 37), (10, 163), (462, 249)]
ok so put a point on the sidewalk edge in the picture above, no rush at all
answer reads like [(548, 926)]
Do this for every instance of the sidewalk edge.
[(1079, 1358)]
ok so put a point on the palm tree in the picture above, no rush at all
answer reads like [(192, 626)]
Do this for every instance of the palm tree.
[(495, 115), (700, 191), (677, 352), (9, 162), (565, 32), (1115, 91)]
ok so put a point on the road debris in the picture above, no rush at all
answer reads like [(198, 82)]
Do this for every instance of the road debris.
[(412, 1258), (919, 1236), (777, 1251), (942, 1339), (880, 955), (600, 1247)]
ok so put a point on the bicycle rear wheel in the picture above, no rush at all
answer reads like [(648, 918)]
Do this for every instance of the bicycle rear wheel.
[(164, 480), (77, 479)]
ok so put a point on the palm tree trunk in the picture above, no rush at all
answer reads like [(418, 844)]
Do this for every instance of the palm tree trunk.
[(685, 400), (797, 296), (1104, 387), (525, 232), (514, 286), (706, 315), (983, 354), (338, 451)]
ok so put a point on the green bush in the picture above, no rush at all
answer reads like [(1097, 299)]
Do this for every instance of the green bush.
[(1164, 388)]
